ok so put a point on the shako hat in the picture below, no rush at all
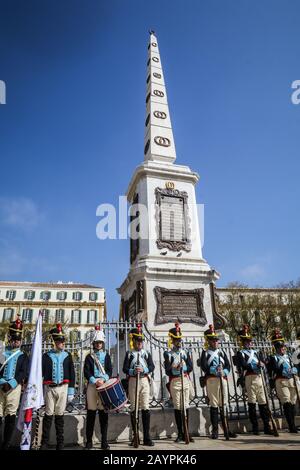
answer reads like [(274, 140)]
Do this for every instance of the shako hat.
[(57, 333), (136, 333), (15, 329), (245, 334), (175, 333), (277, 339), (210, 333)]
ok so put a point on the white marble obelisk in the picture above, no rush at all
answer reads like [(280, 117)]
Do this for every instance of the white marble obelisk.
[(168, 277)]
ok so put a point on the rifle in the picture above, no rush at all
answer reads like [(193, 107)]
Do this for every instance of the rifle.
[(222, 413), (183, 408), (136, 437), (274, 427)]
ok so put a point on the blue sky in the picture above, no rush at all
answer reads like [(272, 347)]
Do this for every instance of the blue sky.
[(72, 131)]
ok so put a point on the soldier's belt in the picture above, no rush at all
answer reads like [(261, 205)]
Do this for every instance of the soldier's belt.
[(52, 385)]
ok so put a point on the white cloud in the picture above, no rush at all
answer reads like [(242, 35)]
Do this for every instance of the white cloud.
[(19, 212)]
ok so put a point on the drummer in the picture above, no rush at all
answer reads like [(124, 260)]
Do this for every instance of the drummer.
[(97, 370), (137, 360)]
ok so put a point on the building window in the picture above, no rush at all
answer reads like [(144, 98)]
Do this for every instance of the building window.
[(93, 296), (11, 294), (59, 315), (46, 315), (61, 295), (29, 294), (45, 295), (8, 314), (77, 295), (76, 316), (27, 315), (92, 316)]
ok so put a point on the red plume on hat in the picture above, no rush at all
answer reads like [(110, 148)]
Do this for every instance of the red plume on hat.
[(139, 328), (18, 324), (59, 327), (277, 333), (210, 333), (97, 328), (177, 326), (277, 336)]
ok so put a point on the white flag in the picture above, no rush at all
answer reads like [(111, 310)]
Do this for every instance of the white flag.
[(33, 397)]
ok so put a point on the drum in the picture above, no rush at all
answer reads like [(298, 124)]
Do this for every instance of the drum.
[(112, 395)]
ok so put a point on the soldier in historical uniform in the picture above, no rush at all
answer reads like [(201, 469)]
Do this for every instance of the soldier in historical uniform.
[(283, 371), (59, 380), (97, 370), (13, 374), (250, 367), (215, 364), (137, 360), (177, 359)]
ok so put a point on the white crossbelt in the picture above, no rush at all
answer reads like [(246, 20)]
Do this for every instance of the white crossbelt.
[(98, 364), (213, 355), (8, 359), (282, 360), (251, 356)]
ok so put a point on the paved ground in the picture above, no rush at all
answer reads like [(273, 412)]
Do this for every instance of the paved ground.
[(285, 441)]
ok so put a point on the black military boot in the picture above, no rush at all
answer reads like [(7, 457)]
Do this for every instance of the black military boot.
[(293, 415), (188, 425), (253, 418), (178, 419), (146, 428), (9, 427), (103, 419), (89, 429), (214, 421), (288, 413), (265, 416), (59, 426), (47, 421)]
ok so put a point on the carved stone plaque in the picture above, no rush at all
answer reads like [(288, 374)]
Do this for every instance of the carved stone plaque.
[(179, 304), (173, 222)]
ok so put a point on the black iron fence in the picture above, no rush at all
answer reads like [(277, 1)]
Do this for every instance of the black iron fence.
[(117, 342)]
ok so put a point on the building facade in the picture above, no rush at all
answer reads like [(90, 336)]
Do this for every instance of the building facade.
[(262, 308), (77, 306)]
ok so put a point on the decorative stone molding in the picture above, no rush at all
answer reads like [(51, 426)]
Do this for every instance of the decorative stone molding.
[(160, 114), (162, 141), (140, 290), (158, 93), (219, 321)]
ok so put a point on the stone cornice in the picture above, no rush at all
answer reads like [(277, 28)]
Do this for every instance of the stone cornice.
[(174, 172)]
